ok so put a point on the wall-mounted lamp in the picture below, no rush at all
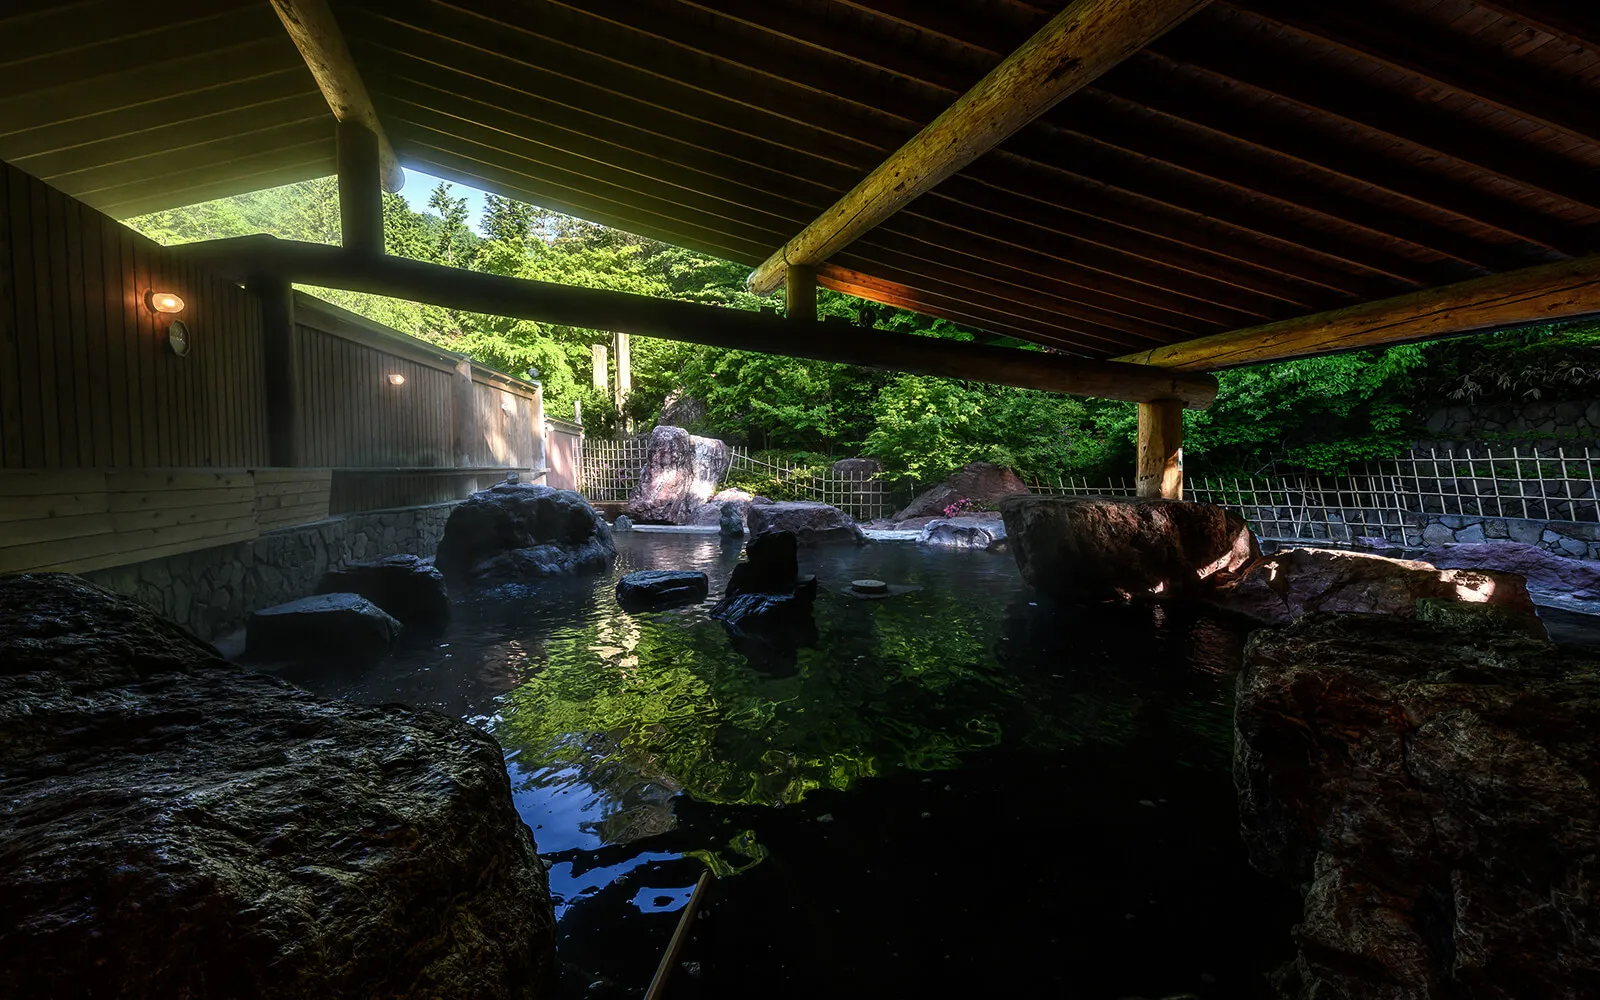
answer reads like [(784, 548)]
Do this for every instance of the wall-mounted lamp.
[(397, 379), (163, 302)]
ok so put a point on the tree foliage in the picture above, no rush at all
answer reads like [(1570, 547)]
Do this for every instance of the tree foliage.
[(1320, 414)]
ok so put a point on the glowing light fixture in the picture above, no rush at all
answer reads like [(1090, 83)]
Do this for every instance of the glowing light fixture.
[(397, 379), (163, 302)]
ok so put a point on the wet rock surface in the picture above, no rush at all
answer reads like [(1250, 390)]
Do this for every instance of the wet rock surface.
[(523, 531), (338, 625), (1544, 571), (810, 523), (407, 587), (1290, 583), (983, 531), (655, 588), (1433, 790), (1101, 548), (980, 482), (766, 607), (178, 826), (680, 474)]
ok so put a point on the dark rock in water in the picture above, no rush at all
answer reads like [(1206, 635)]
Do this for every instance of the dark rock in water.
[(681, 472), (321, 626), (523, 532), (766, 608), (177, 826), (1103, 548), (1545, 572), (622, 523), (980, 482), (1287, 584), (661, 587), (409, 588), (984, 532), (731, 522), (1435, 792), (810, 523)]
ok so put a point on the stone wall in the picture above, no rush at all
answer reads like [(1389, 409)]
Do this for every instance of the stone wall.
[(1530, 419), (1564, 538), (212, 591)]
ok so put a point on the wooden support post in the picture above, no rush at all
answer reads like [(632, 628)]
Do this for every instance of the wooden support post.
[(1160, 461), (597, 362), (465, 436), (624, 375), (280, 368), (360, 189), (800, 292)]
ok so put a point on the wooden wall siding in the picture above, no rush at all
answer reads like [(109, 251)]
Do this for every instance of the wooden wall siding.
[(510, 424), (351, 416), (355, 490), (80, 519), (291, 496), (86, 379)]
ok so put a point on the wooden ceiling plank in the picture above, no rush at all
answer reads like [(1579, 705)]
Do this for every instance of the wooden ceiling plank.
[(1242, 56), (316, 33), (1083, 41), (234, 153), (1553, 17), (1544, 294), (1391, 36), (282, 166), (1149, 80)]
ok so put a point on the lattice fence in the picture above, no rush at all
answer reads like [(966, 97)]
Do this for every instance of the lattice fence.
[(608, 470), (1395, 498)]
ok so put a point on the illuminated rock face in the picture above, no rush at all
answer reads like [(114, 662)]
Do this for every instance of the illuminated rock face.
[(811, 523), (1288, 584), (522, 531), (1104, 548), (681, 473), (178, 826), (1432, 790)]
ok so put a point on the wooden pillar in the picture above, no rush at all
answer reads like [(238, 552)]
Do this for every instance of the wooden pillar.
[(624, 373), (360, 190), (597, 362), (1160, 470), (281, 368), (800, 292), (465, 435)]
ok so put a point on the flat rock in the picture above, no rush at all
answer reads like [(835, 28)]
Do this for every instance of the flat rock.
[(1102, 548), (681, 472), (980, 482), (1544, 571), (321, 626), (662, 587), (811, 523), (524, 531), (178, 826), (766, 607), (964, 532), (407, 587), (1292, 582), (1434, 792)]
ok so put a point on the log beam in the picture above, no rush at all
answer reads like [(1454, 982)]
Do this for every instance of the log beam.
[(360, 193), (1075, 47), (622, 312), (280, 368), (1160, 454), (800, 293), (316, 34), (1544, 294)]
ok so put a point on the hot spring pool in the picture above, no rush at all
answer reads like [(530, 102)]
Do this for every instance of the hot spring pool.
[(958, 790)]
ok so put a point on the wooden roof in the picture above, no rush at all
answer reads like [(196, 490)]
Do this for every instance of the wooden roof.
[(1267, 159)]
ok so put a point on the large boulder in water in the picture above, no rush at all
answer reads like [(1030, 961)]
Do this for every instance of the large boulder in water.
[(1544, 571), (809, 522), (178, 826), (982, 483), (659, 588), (408, 587), (1434, 791), (681, 472), (344, 625), (968, 531), (766, 606), (1103, 548), (1289, 583), (522, 531)]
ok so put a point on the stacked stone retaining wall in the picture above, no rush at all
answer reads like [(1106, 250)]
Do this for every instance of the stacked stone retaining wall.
[(1565, 538), (212, 591)]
